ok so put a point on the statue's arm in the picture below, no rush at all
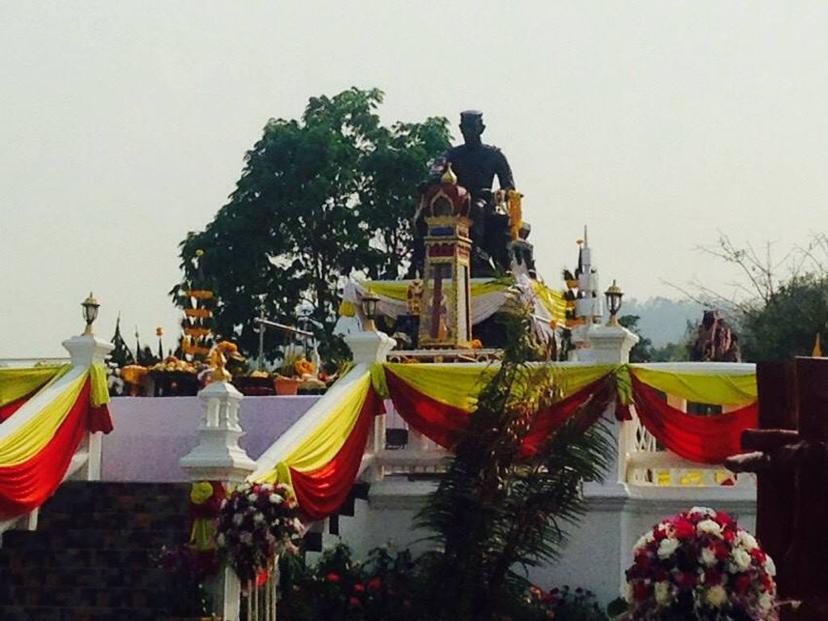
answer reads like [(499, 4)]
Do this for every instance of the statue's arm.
[(504, 172)]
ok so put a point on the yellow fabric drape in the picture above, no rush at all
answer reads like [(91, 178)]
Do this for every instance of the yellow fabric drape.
[(398, 290), (552, 300), (322, 445), (17, 383), (26, 442), (701, 387), (99, 390), (458, 385)]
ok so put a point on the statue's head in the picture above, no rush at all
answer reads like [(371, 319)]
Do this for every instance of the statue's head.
[(471, 126)]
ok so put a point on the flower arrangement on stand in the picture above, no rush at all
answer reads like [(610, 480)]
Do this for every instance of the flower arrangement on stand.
[(258, 522), (700, 565)]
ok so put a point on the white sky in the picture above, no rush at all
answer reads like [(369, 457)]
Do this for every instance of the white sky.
[(123, 125)]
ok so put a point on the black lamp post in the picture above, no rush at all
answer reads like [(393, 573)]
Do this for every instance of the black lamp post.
[(90, 313), (613, 295), (369, 311)]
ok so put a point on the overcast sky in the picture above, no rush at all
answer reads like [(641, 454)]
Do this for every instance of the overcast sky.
[(658, 124)]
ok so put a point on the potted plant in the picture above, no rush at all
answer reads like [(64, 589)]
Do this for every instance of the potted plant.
[(292, 373)]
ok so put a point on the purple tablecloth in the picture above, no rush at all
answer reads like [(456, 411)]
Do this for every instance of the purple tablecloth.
[(152, 434)]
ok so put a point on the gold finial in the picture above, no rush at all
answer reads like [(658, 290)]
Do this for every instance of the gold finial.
[(817, 351), (449, 176), (219, 374)]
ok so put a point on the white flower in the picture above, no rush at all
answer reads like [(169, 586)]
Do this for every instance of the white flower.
[(704, 511), (267, 487), (707, 557), (220, 540), (765, 601), (716, 596), (770, 566), (739, 560), (238, 518), (646, 538), (246, 538), (746, 540), (709, 527), (252, 497), (663, 594), (258, 517), (276, 499), (628, 593), (667, 547)]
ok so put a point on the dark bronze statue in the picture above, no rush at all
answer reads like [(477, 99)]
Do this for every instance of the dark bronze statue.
[(476, 166)]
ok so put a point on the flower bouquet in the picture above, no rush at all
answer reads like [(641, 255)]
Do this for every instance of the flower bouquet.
[(700, 565), (256, 523)]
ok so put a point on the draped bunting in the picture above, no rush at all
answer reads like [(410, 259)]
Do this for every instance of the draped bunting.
[(18, 383), (10, 408), (437, 400), (322, 468), (444, 423), (699, 386), (35, 458), (458, 385), (321, 492), (488, 297), (703, 439)]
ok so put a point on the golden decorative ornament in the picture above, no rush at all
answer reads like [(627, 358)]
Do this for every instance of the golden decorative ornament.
[(449, 176)]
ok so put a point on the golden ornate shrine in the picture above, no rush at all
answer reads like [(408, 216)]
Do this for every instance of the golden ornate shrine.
[(445, 320)]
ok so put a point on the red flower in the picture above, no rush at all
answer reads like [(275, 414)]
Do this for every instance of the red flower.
[(724, 519), (743, 583), (758, 555), (641, 591), (332, 577), (722, 551), (354, 602), (643, 561), (359, 588), (375, 583), (684, 529), (686, 579)]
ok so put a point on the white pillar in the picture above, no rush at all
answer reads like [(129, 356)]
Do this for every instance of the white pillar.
[(612, 345), (218, 457), (86, 350), (370, 346), (608, 345)]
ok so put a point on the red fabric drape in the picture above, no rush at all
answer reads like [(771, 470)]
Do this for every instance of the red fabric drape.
[(26, 486), (437, 421), (547, 421), (99, 419), (10, 408), (321, 492), (444, 423), (703, 439)]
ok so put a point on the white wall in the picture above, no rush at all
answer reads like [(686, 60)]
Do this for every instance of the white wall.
[(598, 550)]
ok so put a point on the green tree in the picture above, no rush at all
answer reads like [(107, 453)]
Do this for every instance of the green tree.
[(787, 323), (643, 350), (318, 199), (497, 509)]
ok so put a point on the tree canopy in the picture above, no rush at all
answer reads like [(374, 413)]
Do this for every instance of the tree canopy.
[(319, 198)]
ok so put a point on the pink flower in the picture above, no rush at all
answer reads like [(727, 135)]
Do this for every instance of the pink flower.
[(354, 602), (332, 577), (375, 583), (359, 588)]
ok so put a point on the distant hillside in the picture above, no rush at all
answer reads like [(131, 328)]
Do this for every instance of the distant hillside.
[(662, 320)]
